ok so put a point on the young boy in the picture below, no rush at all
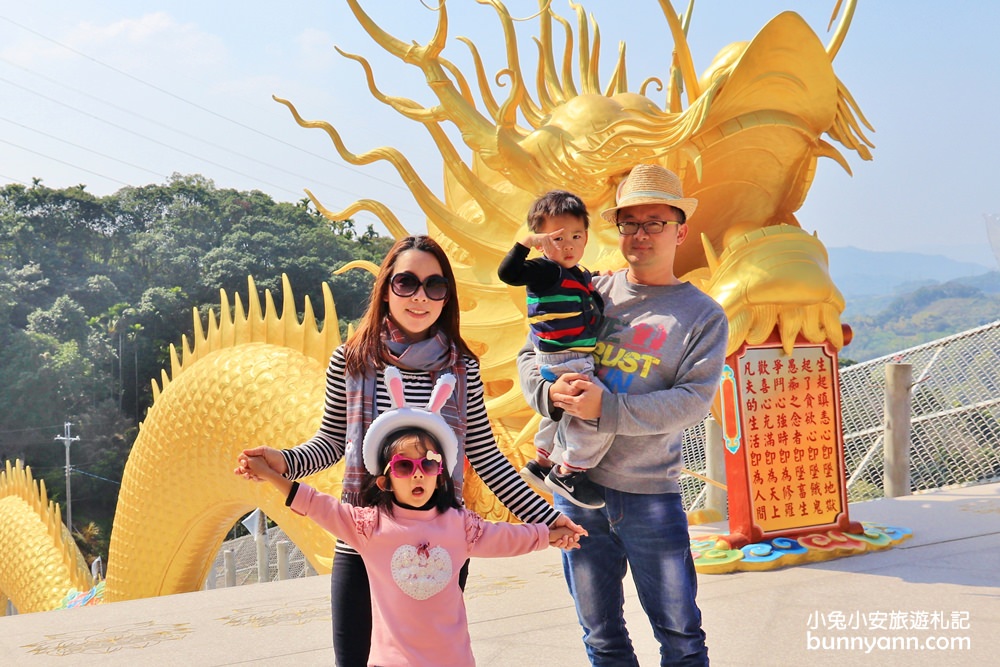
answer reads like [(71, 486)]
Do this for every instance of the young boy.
[(564, 313)]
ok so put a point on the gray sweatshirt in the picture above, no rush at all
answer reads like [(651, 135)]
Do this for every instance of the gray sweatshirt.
[(660, 353)]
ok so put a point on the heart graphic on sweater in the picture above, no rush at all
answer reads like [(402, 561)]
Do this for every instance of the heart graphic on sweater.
[(421, 571)]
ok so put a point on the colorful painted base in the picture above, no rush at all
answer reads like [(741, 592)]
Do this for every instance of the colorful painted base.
[(75, 598), (713, 555)]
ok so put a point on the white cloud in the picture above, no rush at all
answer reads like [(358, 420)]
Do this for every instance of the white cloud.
[(149, 39), (152, 41), (315, 49)]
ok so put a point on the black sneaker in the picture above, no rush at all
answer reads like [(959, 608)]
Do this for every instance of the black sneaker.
[(574, 487), (534, 474)]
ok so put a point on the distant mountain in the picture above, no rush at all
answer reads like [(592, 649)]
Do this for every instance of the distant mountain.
[(988, 283), (864, 274), (894, 323)]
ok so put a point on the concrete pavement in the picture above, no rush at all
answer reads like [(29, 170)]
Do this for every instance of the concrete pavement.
[(932, 600)]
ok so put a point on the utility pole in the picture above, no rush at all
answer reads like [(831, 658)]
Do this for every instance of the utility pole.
[(67, 440)]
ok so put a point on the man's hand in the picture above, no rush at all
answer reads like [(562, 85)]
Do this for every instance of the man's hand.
[(577, 396)]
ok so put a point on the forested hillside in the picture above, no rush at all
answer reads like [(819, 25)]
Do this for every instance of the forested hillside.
[(93, 290), (923, 315)]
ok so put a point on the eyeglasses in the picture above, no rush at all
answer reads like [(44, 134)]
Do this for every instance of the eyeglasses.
[(650, 226), (403, 467), (406, 284)]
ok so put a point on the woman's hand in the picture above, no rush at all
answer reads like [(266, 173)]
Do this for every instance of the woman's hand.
[(562, 538), (273, 457)]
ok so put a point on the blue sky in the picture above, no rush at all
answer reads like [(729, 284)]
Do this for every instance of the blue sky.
[(112, 93)]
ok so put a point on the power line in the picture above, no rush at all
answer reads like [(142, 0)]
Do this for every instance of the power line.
[(164, 91), (75, 145), (30, 428), (68, 164), (11, 178), (89, 474), (169, 128), (142, 136)]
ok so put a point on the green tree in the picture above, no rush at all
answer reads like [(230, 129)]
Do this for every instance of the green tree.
[(93, 290)]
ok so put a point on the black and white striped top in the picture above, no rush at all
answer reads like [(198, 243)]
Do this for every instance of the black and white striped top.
[(327, 447)]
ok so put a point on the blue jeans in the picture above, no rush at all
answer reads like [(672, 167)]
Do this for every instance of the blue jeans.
[(649, 534)]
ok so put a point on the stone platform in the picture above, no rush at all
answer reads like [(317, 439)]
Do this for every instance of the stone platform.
[(932, 600)]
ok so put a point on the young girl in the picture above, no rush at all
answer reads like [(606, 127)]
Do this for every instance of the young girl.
[(412, 322), (412, 534)]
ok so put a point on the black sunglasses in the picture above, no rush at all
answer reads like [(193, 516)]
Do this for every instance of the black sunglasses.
[(406, 284)]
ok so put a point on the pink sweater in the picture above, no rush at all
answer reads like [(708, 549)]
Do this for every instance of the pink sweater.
[(413, 558)]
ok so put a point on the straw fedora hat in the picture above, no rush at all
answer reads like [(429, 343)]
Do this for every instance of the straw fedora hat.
[(650, 184)]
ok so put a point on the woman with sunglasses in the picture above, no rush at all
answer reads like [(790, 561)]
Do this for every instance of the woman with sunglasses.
[(412, 323), (412, 533)]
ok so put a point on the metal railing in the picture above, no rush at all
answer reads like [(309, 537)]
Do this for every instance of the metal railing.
[(955, 418), (245, 568), (955, 414)]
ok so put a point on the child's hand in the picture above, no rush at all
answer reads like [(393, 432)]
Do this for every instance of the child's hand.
[(544, 242), (258, 467)]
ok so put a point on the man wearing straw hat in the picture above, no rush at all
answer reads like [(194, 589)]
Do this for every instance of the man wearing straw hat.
[(659, 353)]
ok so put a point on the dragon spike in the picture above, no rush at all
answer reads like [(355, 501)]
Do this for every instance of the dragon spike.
[(583, 53), (370, 267), (287, 296), (567, 86), (331, 332), (618, 82), (175, 364), (683, 51), (241, 321), (274, 333), (845, 22), (790, 324), (710, 256), (199, 331), (225, 319), (187, 350), (254, 313), (315, 347)]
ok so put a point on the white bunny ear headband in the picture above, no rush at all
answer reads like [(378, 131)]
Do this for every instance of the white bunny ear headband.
[(401, 416)]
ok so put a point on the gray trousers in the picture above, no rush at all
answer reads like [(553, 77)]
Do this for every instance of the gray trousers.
[(571, 441)]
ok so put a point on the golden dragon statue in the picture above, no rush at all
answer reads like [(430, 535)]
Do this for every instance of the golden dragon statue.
[(745, 137)]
